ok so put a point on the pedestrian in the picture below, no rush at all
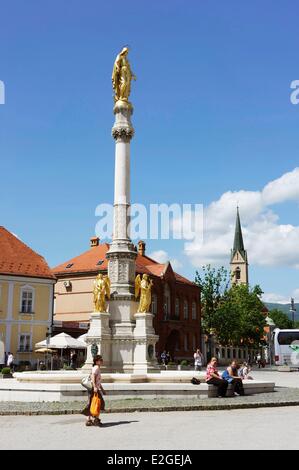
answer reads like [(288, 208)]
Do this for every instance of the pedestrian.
[(198, 360), (164, 358), (10, 361), (213, 378), (74, 358), (259, 360), (244, 371), (232, 377), (97, 389), (249, 360)]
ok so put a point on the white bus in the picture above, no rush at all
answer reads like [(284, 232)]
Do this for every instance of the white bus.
[(286, 347)]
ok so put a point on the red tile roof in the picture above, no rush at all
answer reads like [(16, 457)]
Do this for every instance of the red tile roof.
[(18, 259), (88, 263)]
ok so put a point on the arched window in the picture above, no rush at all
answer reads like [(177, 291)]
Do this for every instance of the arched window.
[(186, 310), (238, 274), (193, 311), (154, 309), (166, 303), (177, 308)]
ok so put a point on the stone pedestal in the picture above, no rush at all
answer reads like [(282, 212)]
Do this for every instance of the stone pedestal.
[(122, 325), (99, 333), (145, 341)]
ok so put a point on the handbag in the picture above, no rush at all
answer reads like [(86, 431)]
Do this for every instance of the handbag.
[(195, 381), (86, 382), (95, 406)]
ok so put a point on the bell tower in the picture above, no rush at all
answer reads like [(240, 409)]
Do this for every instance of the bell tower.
[(239, 261)]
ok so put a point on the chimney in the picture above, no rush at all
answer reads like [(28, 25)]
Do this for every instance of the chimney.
[(141, 248), (94, 241)]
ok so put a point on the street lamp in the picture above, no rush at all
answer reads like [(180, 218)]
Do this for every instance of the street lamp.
[(271, 326), (48, 337)]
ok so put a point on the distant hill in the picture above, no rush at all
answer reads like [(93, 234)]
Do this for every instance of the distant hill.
[(284, 308)]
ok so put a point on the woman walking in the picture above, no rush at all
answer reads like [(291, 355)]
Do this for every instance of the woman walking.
[(97, 389)]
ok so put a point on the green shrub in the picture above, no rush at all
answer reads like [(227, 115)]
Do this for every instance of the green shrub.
[(5, 370), (184, 363)]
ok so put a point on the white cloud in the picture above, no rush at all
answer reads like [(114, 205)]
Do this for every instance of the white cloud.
[(285, 188), (280, 299), (162, 257), (268, 242), (275, 298)]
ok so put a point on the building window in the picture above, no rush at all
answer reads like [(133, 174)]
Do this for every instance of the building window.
[(25, 343), (166, 302), (27, 300), (177, 308), (193, 311), (154, 304), (185, 310), (238, 274), (194, 342), (186, 342)]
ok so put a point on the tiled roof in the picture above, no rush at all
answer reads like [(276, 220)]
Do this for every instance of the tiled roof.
[(18, 259), (88, 263)]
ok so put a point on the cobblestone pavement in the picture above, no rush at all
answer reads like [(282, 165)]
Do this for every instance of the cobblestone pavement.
[(281, 397), (263, 428)]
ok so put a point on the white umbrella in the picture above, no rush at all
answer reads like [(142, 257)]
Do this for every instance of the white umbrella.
[(61, 341), (82, 338)]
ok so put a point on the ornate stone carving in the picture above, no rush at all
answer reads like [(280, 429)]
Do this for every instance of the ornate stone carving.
[(123, 271), (122, 133)]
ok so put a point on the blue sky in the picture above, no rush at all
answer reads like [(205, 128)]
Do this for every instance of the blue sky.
[(212, 115)]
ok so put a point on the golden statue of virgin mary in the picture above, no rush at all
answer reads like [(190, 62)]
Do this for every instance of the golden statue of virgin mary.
[(122, 76)]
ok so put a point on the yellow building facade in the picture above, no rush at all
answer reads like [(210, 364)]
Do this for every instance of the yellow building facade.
[(26, 299)]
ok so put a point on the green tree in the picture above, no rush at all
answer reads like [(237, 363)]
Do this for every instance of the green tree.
[(213, 284), (239, 319), (280, 319)]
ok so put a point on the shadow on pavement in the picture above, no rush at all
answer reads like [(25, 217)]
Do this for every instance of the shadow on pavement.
[(116, 423)]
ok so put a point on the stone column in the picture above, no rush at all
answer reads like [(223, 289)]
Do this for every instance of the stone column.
[(122, 253)]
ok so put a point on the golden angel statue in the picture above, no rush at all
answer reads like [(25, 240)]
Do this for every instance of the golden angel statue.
[(122, 76), (144, 288), (101, 290)]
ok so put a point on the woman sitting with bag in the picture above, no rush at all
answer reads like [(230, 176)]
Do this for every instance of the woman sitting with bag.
[(96, 401)]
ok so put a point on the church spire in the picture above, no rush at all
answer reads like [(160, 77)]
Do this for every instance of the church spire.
[(239, 262), (238, 241)]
